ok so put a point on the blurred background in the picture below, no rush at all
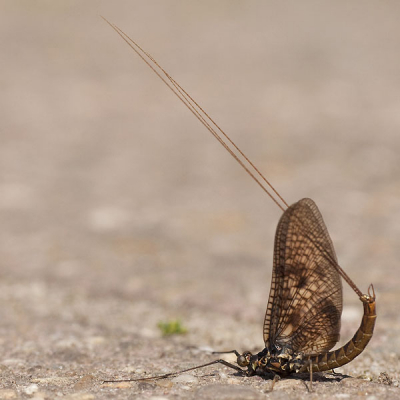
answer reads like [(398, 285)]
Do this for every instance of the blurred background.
[(119, 210)]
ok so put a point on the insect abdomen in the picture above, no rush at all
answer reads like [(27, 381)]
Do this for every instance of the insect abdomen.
[(354, 347)]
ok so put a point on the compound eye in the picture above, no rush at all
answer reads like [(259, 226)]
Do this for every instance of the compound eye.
[(244, 359)]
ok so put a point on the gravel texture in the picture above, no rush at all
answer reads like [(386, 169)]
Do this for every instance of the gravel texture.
[(118, 210)]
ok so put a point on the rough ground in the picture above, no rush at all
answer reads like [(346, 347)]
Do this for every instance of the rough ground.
[(118, 210)]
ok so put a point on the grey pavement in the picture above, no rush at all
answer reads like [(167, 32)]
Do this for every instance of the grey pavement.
[(118, 210)]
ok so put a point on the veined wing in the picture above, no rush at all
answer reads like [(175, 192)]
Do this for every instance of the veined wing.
[(305, 300)]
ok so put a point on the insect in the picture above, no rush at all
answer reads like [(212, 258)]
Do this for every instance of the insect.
[(302, 320)]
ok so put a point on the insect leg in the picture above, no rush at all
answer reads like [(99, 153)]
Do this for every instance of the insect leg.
[(226, 363), (334, 372), (227, 352), (275, 379)]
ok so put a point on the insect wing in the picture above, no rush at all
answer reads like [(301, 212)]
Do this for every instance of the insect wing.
[(305, 301)]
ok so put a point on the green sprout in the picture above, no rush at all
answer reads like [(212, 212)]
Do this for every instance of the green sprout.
[(171, 327)]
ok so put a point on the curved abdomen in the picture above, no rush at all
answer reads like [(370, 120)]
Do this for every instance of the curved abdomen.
[(354, 347)]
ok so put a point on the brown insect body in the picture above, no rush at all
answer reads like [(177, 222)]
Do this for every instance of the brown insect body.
[(302, 320), (284, 361)]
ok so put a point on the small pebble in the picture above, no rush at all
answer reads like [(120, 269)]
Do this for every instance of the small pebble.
[(385, 378), (31, 389)]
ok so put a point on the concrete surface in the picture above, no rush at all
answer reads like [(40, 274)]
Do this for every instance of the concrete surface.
[(118, 210)]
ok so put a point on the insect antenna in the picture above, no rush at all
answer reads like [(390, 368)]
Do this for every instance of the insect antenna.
[(204, 118), (156, 377)]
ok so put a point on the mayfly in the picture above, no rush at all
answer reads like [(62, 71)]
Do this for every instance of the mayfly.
[(302, 320)]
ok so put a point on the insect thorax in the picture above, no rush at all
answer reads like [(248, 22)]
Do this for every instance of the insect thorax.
[(279, 360)]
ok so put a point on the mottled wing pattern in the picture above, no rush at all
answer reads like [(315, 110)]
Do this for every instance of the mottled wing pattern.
[(305, 301)]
